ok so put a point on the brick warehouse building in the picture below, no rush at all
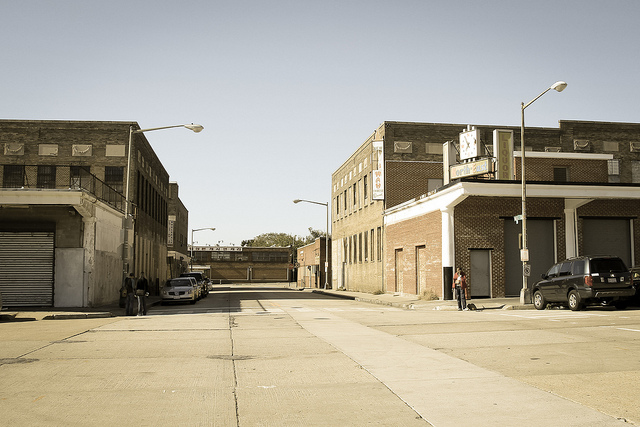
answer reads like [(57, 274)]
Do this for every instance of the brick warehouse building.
[(62, 211), (310, 261), (178, 229), (243, 264), (581, 170)]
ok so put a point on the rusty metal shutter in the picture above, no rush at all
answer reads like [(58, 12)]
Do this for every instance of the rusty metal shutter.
[(26, 268)]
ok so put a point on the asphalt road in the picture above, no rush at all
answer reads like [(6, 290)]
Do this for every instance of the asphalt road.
[(257, 356)]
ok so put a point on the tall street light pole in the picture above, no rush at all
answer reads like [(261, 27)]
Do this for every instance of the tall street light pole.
[(125, 245), (525, 294), (326, 250), (192, 231)]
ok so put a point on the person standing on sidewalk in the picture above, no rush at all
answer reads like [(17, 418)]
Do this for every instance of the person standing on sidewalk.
[(142, 291), (129, 294), (460, 288)]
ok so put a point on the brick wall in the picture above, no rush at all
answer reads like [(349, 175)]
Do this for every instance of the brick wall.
[(408, 180), (407, 236), (579, 170), (479, 224)]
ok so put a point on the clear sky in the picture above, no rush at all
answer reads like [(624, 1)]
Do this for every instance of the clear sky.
[(288, 89)]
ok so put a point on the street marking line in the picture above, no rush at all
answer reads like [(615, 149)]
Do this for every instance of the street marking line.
[(628, 329), (554, 316)]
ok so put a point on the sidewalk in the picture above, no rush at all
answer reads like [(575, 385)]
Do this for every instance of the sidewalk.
[(55, 313), (412, 302)]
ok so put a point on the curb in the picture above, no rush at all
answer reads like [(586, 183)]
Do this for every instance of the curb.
[(414, 305), (331, 294), (68, 316)]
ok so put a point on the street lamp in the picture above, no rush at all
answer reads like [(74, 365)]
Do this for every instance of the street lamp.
[(192, 231), (125, 247), (326, 250), (525, 295)]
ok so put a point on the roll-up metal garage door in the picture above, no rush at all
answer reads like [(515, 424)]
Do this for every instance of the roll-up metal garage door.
[(607, 236), (26, 268), (540, 241)]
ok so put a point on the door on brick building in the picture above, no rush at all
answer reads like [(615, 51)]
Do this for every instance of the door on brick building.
[(542, 254), (607, 236), (399, 271), (421, 269), (479, 279)]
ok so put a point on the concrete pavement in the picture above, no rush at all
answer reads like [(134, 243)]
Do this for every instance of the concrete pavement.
[(408, 302), (447, 390), (427, 380)]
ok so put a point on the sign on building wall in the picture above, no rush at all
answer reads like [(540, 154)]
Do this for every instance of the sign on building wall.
[(479, 167), (219, 248), (469, 144), (378, 173), (503, 152), (172, 221)]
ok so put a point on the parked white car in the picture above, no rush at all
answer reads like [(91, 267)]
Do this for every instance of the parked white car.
[(180, 289)]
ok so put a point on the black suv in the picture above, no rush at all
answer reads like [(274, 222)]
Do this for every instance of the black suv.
[(585, 280)]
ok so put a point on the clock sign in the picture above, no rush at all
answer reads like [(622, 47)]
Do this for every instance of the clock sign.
[(469, 144)]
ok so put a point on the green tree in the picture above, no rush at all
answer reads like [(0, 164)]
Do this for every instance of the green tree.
[(268, 240)]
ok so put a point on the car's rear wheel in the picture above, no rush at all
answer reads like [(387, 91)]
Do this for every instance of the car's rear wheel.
[(538, 301), (575, 303)]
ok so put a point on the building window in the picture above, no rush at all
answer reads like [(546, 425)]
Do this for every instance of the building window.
[(366, 246), (46, 176), (561, 174), (360, 248), (114, 177), (344, 200), (366, 186), (355, 248), (355, 195), (78, 176), (372, 246), (270, 256), (13, 176), (379, 241), (220, 256), (345, 256), (350, 249), (434, 184)]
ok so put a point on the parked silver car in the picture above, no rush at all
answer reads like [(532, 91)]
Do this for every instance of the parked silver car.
[(180, 289), (200, 279)]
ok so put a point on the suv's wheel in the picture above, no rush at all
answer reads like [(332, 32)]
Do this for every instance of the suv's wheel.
[(574, 301), (539, 301), (620, 305)]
